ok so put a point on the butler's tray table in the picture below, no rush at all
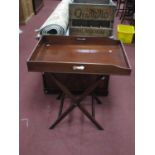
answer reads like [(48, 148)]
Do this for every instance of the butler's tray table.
[(78, 55)]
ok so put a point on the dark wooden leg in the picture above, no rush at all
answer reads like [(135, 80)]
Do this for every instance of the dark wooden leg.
[(62, 87), (86, 92), (90, 117), (59, 96), (61, 105), (97, 100), (76, 101), (93, 106), (90, 89), (62, 116)]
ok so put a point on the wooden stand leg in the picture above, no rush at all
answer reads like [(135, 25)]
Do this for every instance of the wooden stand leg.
[(93, 107), (90, 117), (59, 96), (62, 116), (76, 102), (97, 100), (61, 105)]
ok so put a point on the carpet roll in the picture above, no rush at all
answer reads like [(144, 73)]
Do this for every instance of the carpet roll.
[(57, 22)]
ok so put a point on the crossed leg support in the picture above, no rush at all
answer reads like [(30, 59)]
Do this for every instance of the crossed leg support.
[(76, 102)]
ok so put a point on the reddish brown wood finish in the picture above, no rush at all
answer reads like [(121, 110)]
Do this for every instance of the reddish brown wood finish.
[(81, 55)]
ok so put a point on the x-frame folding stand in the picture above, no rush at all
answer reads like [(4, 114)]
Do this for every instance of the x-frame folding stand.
[(76, 101)]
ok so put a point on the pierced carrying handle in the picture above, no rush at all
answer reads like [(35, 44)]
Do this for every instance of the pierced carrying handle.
[(81, 67)]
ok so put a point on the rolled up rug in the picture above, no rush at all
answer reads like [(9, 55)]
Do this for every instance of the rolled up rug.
[(57, 22)]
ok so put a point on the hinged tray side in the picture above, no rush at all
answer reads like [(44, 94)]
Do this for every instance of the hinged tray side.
[(69, 68), (35, 49), (77, 40), (125, 56)]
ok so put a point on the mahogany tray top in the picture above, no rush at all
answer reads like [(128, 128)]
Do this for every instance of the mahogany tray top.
[(81, 55)]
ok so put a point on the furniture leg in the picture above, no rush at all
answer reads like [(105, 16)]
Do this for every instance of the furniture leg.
[(90, 117), (59, 96), (61, 105), (76, 102), (62, 116), (97, 99), (90, 88), (93, 108)]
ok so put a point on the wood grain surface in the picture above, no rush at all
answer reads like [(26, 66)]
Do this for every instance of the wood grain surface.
[(69, 54)]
